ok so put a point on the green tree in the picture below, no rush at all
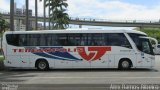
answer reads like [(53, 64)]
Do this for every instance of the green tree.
[(3, 24), (59, 17), (152, 32)]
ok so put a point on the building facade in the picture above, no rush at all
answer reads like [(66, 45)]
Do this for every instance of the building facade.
[(20, 25)]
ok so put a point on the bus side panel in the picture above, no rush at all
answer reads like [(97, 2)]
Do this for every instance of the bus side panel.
[(63, 64), (12, 61), (81, 63), (51, 62), (101, 63), (12, 58), (111, 63), (119, 53)]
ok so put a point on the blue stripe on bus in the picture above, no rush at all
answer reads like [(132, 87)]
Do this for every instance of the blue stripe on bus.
[(64, 55), (57, 58)]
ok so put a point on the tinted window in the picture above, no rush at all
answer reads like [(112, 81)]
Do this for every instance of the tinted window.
[(136, 39), (12, 39), (118, 39), (146, 46), (96, 40), (23, 41), (51, 40), (142, 44), (113, 40), (82, 39)]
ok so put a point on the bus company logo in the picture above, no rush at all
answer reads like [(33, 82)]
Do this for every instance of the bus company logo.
[(59, 53), (95, 53)]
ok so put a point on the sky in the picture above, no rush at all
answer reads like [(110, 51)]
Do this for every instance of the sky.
[(102, 9)]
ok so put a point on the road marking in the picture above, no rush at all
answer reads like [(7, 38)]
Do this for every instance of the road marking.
[(98, 77)]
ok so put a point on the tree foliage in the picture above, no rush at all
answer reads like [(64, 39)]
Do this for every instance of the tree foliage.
[(152, 32), (3, 24), (59, 17)]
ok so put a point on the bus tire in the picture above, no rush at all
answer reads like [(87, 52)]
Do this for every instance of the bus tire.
[(42, 64), (125, 64)]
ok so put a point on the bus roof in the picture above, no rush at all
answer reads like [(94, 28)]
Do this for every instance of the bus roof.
[(75, 31)]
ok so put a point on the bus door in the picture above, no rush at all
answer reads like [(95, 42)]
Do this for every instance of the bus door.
[(146, 54)]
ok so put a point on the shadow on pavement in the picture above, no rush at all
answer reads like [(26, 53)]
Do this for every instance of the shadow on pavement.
[(13, 76), (81, 70)]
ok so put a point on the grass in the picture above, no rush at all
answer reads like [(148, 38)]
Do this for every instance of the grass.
[(1, 57)]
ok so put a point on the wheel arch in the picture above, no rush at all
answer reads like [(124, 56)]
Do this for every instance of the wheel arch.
[(128, 59), (41, 59)]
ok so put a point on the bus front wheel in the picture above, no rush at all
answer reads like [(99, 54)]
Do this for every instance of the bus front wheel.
[(42, 65), (125, 64)]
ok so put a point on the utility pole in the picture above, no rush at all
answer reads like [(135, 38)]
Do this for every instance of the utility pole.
[(44, 3), (36, 12), (49, 15), (11, 15), (27, 19)]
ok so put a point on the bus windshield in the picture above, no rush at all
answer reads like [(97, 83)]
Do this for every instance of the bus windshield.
[(143, 44), (146, 46)]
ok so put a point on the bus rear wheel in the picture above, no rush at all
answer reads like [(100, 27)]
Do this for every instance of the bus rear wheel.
[(42, 65), (124, 65)]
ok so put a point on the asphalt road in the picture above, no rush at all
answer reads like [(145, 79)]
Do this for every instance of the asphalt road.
[(95, 79)]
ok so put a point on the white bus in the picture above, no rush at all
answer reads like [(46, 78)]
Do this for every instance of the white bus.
[(46, 49)]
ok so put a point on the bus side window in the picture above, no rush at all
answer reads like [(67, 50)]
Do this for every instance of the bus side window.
[(82, 42), (124, 41), (13, 39), (113, 39), (22, 40), (118, 39), (78, 40), (101, 43), (54, 40), (49, 40), (93, 43)]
